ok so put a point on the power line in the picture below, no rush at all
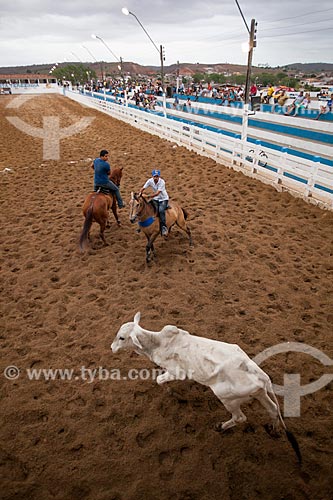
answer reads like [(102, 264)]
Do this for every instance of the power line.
[(227, 36), (235, 39), (295, 25), (296, 17), (297, 33)]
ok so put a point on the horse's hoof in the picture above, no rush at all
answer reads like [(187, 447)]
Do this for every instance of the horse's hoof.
[(219, 428)]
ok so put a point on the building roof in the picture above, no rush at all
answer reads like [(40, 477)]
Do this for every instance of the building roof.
[(27, 76)]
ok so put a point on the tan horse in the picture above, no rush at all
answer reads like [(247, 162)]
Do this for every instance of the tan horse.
[(146, 214), (96, 209)]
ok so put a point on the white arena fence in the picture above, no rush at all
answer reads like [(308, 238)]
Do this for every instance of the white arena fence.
[(311, 180)]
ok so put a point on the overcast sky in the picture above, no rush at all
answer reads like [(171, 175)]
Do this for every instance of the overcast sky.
[(205, 31)]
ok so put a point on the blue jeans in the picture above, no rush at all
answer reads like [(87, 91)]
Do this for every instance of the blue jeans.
[(162, 206), (114, 189)]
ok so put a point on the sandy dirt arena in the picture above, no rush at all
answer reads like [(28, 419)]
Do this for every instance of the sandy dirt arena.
[(260, 274)]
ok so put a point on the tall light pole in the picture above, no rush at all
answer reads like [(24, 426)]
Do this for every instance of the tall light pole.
[(106, 45), (119, 60), (94, 58), (160, 50), (89, 52), (77, 57), (252, 44)]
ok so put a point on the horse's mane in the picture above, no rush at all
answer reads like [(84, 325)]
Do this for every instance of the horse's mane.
[(138, 196), (116, 175)]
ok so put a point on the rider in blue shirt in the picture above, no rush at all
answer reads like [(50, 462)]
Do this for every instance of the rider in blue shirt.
[(101, 176)]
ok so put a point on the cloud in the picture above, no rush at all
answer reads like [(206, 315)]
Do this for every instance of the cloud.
[(37, 31)]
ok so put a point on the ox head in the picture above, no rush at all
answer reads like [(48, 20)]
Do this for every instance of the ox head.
[(126, 336)]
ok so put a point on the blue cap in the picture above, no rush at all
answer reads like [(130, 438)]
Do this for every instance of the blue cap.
[(156, 172)]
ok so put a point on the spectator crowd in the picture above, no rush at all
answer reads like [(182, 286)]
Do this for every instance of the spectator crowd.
[(144, 93)]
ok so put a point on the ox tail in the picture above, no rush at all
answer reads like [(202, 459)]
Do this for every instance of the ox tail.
[(185, 213), (294, 443), (86, 228), (290, 436)]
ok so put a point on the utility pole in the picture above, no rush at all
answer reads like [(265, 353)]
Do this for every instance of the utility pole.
[(122, 69), (252, 44), (162, 66), (162, 57), (177, 84)]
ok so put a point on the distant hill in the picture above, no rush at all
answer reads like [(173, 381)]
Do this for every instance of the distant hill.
[(136, 69), (310, 67), (184, 68)]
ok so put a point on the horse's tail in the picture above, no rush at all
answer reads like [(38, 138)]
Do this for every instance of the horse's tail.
[(86, 228), (185, 213)]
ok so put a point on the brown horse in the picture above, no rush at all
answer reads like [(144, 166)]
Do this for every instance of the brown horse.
[(146, 214), (96, 209)]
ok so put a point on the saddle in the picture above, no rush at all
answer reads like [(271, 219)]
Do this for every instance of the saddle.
[(102, 190)]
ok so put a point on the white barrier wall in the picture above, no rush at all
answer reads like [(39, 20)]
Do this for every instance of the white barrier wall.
[(313, 181), (42, 88), (307, 145)]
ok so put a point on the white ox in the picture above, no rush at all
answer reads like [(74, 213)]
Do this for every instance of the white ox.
[(225, 368)]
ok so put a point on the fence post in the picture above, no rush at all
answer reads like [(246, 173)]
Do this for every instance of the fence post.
[(312, 177), (235, 155), (281, 168), (256, 156)]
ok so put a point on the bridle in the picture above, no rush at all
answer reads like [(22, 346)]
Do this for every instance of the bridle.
[(137, 204)]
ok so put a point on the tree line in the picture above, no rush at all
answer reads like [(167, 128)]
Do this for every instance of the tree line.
[(262, 79)]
